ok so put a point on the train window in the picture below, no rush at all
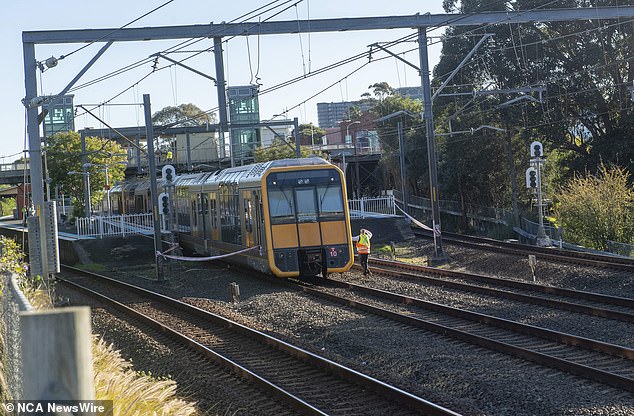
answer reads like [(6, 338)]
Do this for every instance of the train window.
[(306, 208), (330, 201), (281, 205)]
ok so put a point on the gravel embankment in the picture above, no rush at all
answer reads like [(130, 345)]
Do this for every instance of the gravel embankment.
[(469, 380)]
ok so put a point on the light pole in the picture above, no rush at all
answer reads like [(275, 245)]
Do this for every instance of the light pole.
[(348, 129), (354, 151), (105, 166), (87, 176)]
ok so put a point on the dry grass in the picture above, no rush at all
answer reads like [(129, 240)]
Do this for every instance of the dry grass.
[(131, 392)]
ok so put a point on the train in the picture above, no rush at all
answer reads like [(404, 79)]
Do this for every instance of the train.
[(292, 214)]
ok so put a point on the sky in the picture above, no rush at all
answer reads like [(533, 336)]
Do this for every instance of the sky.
[(267, 60)]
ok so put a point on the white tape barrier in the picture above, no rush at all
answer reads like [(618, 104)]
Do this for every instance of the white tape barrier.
[(167, 256), (414, 220)]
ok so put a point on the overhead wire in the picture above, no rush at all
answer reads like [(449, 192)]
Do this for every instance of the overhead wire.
[(115, 30)]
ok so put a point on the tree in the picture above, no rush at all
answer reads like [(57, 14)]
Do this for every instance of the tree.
[(310, 134), (281, 149), (585, 67), (385, 102), (185, 115), (64, 155), (595, 209)]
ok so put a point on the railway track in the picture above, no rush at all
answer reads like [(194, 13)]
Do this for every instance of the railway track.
[(302, 380), (549, 253), (594, 304), (591, 359)]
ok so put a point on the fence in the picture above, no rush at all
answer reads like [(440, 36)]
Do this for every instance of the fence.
[(621, 249), (115, 226), (13, 302), (46, 353), (554, 233), (360, 208)]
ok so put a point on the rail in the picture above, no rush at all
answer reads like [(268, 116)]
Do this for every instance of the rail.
[(114, 226)]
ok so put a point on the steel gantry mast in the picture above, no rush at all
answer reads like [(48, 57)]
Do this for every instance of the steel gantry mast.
[(218, 31)]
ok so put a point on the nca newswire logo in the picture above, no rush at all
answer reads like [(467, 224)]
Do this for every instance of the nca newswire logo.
[(58, 407)]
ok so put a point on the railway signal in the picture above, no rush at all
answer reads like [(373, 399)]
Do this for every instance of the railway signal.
[(531, 179), (537, 150), (169, 174), (534, 182)]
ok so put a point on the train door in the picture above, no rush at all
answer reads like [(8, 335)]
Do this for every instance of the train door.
[(204, 216), (213, 216), (249, 218), (258, 222), (194, 216)]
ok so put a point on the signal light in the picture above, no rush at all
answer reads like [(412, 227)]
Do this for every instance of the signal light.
[(169, 173), (164, 202), (531, 178), (537, 150)]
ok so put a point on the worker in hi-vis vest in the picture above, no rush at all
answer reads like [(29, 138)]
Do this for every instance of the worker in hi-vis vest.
[(363, 248)]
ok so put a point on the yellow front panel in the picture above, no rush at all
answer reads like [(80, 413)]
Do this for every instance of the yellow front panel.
[(284, 235), (334, 232), (309, 234)]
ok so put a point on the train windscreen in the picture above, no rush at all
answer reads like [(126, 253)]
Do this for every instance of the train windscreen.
[(305, 196)]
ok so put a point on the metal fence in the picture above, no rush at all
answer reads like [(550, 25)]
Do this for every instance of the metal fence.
[(622, 249), (554, 233), (114, 226), (13, 302), (360, 208)]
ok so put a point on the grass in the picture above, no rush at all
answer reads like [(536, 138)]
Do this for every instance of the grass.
[(132, 393), (92, 267)]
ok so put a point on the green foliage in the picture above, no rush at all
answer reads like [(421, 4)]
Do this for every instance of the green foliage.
[(594, 209), (11, 256), (280, 149), (584, 119), (183, 115), (7, 205), (64, 156), (310, 134), (386, 102)]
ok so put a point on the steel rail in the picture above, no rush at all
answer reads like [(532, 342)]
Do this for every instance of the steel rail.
[(602, 312), (616, 380), (390, 392)]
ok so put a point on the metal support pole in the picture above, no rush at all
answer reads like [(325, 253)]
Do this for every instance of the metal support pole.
[(298, 151), (541, 233), (84, 171), (139, 168), (356, 166), (158, 245), (401, 147), (222, 98), (431, 142), (89, 206), (35, 154), (189, 151)]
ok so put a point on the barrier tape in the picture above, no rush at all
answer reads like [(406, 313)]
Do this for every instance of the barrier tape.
[(167, 256), (414, 220)]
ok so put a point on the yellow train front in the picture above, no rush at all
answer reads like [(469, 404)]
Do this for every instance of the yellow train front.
[(292, 212)]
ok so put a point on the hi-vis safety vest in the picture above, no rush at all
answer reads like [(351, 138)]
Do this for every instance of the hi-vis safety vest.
[(363, 245)]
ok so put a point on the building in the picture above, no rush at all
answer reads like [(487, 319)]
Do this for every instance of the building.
[(415, 93), (60, 116), (268, 134), (330, 115), (243, 109)]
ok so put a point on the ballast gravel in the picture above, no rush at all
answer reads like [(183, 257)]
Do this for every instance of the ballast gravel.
[(467, 379)]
